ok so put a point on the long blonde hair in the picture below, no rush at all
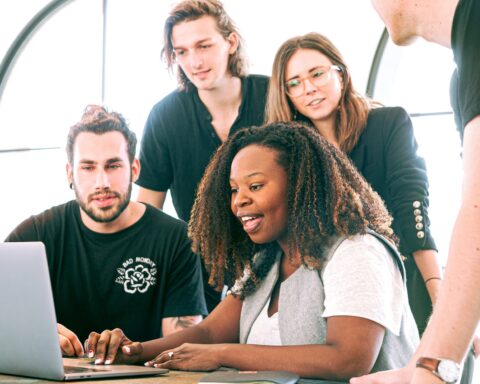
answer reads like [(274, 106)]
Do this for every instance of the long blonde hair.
[(353, 108)]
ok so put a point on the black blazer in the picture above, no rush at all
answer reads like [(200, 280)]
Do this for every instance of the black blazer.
[(386, 155)]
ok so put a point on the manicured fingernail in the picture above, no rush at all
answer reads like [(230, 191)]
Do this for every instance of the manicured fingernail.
[(126, 349), (156, 365), (108, 361), (148, 364), (98, 361), (90, 354)]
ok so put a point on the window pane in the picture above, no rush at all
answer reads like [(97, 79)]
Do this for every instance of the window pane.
[(417, 77), (55, 77)]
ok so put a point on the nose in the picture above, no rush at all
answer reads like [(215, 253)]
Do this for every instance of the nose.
[(241, 199), (309, 87), (196, 59), (102, 180)]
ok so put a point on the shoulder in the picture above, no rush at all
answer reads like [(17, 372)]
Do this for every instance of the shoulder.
[(382, 114), (385, 122), (257, 79), (171, 104), (362, 255), (366, 243), (48, 221), (163, 222), (56, 213), (257, 82)]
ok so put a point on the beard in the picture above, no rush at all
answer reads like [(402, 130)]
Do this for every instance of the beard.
[(106, 214)]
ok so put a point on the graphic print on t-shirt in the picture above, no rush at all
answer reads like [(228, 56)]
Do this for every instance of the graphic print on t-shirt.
[(137, 275)]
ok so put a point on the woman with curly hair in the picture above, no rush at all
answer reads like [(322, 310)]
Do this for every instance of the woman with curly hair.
[(319, 288), (311, 83)]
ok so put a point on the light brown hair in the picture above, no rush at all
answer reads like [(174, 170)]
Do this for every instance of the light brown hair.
[(189, 10), (353, 108)]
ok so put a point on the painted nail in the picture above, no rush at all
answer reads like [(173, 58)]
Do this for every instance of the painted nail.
[(126, 349), (98, 361), (108, 361), (90, 354)]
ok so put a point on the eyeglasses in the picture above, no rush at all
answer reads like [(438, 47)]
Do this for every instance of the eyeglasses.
[(318, 77)]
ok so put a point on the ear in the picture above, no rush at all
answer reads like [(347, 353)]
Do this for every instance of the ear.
[(69, 170), (233, 40), (135, 169)]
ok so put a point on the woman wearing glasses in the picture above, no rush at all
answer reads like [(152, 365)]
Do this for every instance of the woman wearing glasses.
[(311, 82)]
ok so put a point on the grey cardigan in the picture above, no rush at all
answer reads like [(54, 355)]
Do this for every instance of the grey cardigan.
[(301, 305)]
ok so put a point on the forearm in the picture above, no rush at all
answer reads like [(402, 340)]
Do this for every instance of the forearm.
[(458, 308), (197, 334), (429, 267), (176, 324), (308, 361)]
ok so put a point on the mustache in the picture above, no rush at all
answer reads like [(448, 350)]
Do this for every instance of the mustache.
[(103, 192)]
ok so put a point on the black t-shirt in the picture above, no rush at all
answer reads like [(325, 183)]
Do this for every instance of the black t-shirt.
[(131, 279), (465, 85), (179, 140)]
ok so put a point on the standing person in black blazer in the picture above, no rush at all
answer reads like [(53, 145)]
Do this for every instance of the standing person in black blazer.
[(311, 82)]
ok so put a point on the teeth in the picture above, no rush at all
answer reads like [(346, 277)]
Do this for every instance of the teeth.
[(246, 218)]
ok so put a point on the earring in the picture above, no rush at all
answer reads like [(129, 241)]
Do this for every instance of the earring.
[(294, 114), (71, 186)]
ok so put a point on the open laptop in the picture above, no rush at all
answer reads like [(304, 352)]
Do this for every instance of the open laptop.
[(28, 325)]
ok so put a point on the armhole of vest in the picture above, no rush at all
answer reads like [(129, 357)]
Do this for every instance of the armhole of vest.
[(330, 253), (392, 250)]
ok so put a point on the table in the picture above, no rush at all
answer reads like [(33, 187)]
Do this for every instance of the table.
[(177, 377)]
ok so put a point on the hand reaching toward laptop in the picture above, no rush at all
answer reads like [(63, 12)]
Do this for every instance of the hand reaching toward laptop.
[(113, 347), (69, 342)]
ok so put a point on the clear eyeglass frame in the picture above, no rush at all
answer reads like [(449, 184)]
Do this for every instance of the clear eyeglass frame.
[(296, 87)]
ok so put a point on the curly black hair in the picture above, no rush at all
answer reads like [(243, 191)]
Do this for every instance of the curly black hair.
[(327, 198)]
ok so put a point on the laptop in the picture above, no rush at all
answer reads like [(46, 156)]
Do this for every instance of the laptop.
[(28, 325)]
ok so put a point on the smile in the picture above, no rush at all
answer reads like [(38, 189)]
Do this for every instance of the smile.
[(314, 102), (251, 223), (201, 73)]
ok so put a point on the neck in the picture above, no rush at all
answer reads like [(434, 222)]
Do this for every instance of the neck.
[(127, 218), (227, 95), (326, 128), (288, 265), (435, 19)]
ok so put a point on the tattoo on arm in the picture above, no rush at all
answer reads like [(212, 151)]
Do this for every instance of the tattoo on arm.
[(186, 321)]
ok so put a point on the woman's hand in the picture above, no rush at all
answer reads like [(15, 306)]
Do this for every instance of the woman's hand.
[(113, 346), (189, 357)]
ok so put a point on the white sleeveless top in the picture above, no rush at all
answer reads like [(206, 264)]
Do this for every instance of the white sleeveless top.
[(265, 330)]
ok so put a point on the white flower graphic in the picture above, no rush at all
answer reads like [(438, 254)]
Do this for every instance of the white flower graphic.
[(136, 279)]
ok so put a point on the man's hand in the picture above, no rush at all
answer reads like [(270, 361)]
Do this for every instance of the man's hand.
[(113, 346), (189, 357), (395, 376), (476, 345), (69, 342)]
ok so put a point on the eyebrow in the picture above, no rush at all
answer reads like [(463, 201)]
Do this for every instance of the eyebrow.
[(251, 175), (207, 39), (308, 71), (109, 161)]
